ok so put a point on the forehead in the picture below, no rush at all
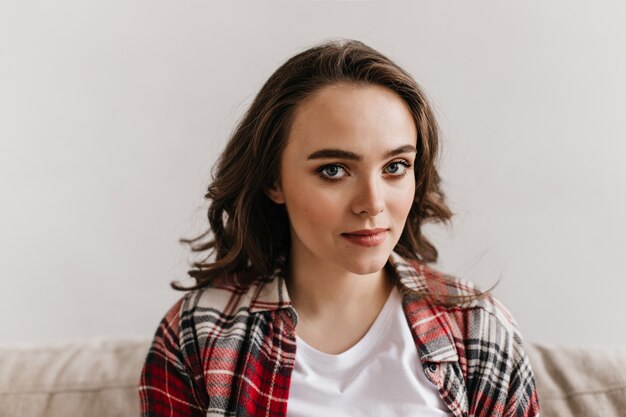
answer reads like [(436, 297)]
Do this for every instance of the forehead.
[(366, 119)]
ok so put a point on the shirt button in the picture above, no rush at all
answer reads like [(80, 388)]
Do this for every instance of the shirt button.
[(432, 367), (291, 315)]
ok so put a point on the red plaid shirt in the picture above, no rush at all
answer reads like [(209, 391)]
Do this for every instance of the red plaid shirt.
[(230, 351)]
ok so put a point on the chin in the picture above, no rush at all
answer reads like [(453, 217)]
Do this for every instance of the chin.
[(365, 264)]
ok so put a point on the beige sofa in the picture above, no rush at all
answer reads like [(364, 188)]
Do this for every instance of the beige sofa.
[(98, 378)]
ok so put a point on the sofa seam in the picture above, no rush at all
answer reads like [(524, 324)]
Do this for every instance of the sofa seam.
[(580, 393), (69, 390)]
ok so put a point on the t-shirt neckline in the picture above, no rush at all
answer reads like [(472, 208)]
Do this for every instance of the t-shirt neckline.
[(356, 352)]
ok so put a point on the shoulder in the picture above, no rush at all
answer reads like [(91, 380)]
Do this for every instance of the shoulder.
[(220, 301), (470, 319), (487, 341), (224, 308), (473, 303), (483, 329), (234, 293), (490, 348)]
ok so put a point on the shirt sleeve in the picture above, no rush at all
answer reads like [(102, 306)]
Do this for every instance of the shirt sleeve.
[(522, 399), (499, 380), (167, 386)]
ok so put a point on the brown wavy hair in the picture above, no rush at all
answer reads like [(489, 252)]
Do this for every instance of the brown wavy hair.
[(247, 229)]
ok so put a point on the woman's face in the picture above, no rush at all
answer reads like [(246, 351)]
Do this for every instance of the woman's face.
[(347, 168)]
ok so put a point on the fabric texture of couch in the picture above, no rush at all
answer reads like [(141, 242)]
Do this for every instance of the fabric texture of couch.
[(98, 378)]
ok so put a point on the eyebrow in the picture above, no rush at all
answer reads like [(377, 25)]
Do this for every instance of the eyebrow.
[(341, 154)]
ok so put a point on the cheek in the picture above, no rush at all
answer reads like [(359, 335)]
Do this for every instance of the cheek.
[(311, 207), (403, 201)]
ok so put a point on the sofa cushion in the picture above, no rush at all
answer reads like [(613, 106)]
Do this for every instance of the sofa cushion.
[(580, 381), (98, 378), (94, 378)]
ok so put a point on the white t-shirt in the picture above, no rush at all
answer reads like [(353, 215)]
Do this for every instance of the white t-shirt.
[(381, 375)]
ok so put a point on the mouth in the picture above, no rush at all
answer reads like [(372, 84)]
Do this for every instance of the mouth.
[(366, 232), (367, 238)]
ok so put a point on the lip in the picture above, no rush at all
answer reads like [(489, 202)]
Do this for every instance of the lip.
[(367, 238), (366, 232)]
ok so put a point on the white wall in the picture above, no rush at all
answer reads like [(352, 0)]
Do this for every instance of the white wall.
[(113, 113)]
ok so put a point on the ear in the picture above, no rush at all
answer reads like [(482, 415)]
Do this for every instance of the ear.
[(275, 193)]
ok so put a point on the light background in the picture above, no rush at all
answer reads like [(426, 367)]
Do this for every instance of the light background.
[(114, 112)]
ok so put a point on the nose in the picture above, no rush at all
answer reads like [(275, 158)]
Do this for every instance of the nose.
[(368, 198)]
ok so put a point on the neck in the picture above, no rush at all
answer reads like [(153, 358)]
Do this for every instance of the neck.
[(320, 291)]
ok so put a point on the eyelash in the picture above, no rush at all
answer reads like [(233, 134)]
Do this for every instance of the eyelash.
[(407, 165)]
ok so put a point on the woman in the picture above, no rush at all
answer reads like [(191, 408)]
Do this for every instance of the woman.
[(315, 297)]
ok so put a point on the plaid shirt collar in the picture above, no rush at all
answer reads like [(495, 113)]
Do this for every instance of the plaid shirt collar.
[(272, 295)]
